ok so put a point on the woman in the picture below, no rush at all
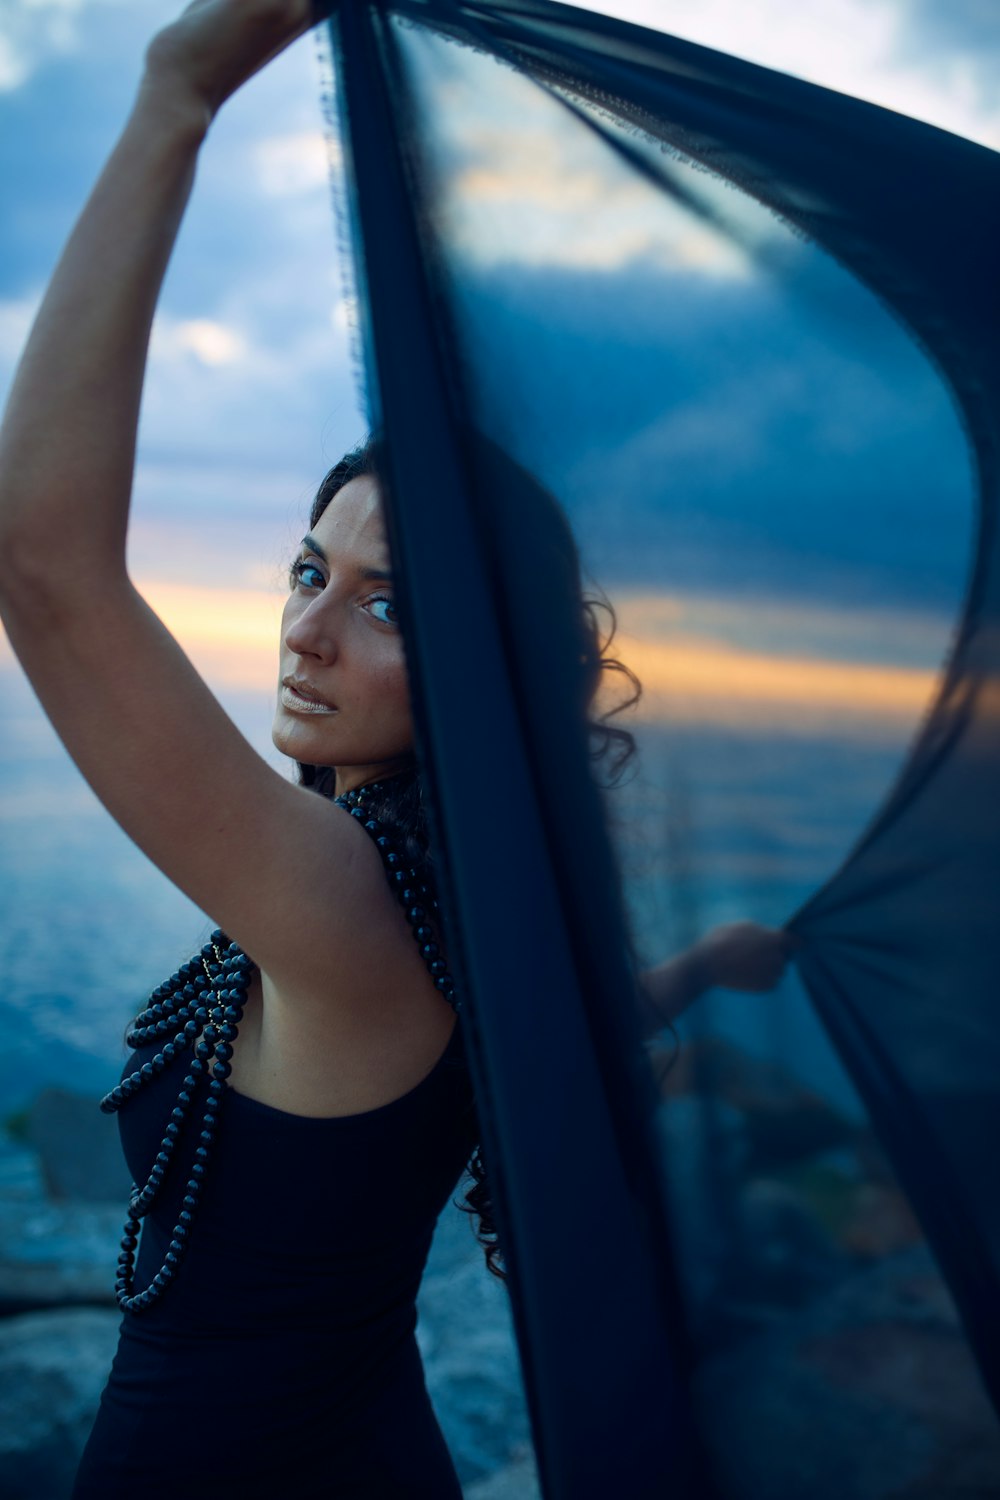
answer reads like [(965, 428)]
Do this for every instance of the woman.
[(295, 1120)]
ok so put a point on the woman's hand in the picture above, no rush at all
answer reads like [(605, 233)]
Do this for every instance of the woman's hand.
[(744, 956), (214, 46), (736, 956)]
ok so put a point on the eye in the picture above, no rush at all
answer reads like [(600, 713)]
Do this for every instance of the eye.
[(306, 574), (381, 607)]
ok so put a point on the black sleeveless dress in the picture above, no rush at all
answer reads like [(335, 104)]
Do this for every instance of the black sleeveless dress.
[(282, 1361)]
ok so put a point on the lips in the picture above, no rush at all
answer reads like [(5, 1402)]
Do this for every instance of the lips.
[(299, 697)]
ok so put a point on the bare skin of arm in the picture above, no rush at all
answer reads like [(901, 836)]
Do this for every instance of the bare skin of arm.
[(284, 872), (736, 956)]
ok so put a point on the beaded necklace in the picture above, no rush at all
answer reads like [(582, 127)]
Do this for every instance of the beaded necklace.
[(200, 1008)]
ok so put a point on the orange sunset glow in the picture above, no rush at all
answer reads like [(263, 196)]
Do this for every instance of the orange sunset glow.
[(231, 635), (699, 680)]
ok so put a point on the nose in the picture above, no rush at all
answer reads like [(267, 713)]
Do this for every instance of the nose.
[(312, 632)]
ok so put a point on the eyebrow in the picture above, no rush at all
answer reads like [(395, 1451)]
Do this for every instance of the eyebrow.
[(375, 574)]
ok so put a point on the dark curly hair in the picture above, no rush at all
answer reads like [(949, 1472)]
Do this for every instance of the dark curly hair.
[(402, 803)]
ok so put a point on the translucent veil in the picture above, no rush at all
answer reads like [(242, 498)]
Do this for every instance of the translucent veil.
[(746, 332)]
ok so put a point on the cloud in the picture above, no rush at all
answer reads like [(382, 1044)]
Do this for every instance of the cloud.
[(521, 182), (31, 31), (202, 339), (230, 634), (934, 62), (701, 659), (690, 677), (34, 31), (258, 382), (289, 165), (546, 197)]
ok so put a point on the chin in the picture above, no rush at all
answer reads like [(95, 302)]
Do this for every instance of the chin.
[(300, 741)]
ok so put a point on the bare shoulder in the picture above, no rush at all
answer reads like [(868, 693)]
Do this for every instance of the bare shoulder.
[(361, 1022)]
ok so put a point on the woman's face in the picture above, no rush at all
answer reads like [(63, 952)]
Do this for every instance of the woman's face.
[(343, 696)]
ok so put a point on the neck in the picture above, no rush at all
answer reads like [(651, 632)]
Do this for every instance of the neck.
[(350, 778)]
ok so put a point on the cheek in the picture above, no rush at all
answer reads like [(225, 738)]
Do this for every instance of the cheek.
[(393, 688)]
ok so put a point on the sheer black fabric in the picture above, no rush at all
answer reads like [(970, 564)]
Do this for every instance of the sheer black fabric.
[(745, 332)]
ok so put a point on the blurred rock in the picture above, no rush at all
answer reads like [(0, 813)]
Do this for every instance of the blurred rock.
[(787, 1256), (57, 1254), (783, 1120), (881, 1222), (60, 1252), (869, 1392), (467, 1343), (518, 1481), (78, 1147), (53, 1367), (20, 1172)]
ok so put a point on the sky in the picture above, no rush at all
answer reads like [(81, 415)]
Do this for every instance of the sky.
[(253, 391), (252, 387)]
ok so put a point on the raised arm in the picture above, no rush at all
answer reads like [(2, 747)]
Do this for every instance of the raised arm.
[(267, 860), (67, 445)]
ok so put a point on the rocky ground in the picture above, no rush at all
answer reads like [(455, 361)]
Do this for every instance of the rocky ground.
[(833, 1363), (62, 1188)]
